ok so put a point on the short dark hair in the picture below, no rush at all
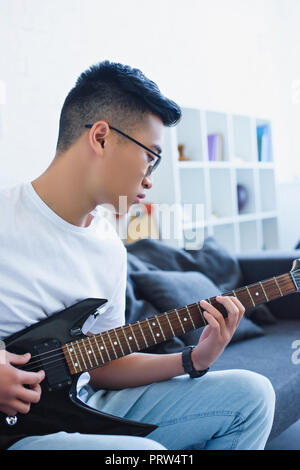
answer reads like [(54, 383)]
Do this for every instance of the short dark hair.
[(118, 93)]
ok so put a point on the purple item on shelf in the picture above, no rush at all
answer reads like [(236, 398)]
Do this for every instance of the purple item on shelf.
[(242, 195), (212, 141)]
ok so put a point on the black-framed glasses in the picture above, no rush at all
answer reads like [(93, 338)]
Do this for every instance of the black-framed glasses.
[(155, 162)]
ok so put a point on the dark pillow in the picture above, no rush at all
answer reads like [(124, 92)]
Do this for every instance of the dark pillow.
[(167, 290), (261, 315), (212, 259), (246, 330)]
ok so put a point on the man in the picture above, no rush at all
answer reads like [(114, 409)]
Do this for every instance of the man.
[(57, 249)]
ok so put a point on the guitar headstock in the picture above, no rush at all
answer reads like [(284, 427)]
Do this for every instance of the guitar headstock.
[(295, 273)]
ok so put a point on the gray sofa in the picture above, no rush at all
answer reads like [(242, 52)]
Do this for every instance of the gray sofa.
[(161, 278), (271, 354)]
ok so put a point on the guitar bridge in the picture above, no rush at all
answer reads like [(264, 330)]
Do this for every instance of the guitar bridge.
[(53, 363)]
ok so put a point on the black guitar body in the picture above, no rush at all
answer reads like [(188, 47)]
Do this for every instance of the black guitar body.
[(59, 409)]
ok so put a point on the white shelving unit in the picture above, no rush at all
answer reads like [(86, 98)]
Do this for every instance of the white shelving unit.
[(213, 184)]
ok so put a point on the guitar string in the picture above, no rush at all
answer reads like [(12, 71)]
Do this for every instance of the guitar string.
[(102, 333), (117, 330), (122, 341), (28, 367)]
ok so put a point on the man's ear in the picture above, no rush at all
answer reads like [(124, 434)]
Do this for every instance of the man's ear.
[(100, 133)]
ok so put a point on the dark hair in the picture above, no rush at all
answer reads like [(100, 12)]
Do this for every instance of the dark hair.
[(118, 93)]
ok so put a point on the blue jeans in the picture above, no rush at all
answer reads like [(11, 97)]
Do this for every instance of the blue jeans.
[(222, 410)]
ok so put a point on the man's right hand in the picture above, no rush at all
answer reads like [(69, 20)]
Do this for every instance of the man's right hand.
[(14, 396)]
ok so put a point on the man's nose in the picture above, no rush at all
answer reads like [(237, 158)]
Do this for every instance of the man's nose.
[(147, 182)]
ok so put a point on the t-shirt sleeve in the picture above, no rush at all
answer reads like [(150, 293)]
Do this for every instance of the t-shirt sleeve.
[(112, 314)]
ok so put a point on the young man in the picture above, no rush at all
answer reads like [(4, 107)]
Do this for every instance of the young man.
[(58, 248)]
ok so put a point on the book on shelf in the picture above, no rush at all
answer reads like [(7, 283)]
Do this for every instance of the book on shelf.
[(264, 143), (215, 147)]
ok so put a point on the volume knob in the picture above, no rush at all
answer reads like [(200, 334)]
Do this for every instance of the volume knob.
[(11, 420)]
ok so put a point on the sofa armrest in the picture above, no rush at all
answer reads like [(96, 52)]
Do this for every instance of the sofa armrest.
[(262, 265)]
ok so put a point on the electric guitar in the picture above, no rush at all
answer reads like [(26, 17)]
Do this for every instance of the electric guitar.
[(58, 346)]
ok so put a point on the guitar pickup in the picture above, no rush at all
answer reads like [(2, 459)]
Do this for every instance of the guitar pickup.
[(53, 363)]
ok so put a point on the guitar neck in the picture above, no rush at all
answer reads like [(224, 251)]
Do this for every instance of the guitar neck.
[(94, 351)]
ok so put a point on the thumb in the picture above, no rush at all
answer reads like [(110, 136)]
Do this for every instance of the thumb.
[(18, 358)]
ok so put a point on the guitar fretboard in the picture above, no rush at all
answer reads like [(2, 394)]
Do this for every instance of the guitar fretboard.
[(94, 351)]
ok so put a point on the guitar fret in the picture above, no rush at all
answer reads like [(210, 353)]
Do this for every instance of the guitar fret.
[(278, 286), (105, 347), (87, 353), (234, 294), (96, 342), (250, 296), (134, 337), (199, 308), (160, 327), (186, 307), (91, 346), (151, 331), (179, 320), (69, 352), (142, 334), (112, 344), (116, 334), (81, 354), (125, 335), (77, 363), (167, 316), (264, 291)]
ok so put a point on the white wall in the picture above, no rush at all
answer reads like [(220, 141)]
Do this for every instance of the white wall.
[(239, 56)]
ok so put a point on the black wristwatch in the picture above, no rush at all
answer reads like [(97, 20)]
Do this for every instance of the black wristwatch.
[(188, 365)]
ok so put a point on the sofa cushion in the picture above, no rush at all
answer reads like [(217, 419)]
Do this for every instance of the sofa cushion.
[(167, 290), (213, 260), (261, 315)]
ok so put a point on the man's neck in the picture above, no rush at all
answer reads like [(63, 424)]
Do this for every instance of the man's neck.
[(61, 187)]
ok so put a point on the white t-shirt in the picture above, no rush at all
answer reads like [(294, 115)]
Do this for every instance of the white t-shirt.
[(48, 264)]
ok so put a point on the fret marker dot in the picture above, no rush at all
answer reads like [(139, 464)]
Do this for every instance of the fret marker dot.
[(130, 337), (71, 349), (256, 293), (90, 352), (115, 342), (153, 323), (101, 347), (75, 364), (184, 319), (157, 334)]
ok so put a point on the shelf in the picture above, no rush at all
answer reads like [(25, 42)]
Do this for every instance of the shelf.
[(270, 233), (230, 220), (212, 185), (193, 189), (217, 123), (267, 190), (225, 234), (264, 148), (228, 164), (189, 134), (222, 204), (245, 180), (248, 236), (242, 138)]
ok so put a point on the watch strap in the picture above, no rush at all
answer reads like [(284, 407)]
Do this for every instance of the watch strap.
[(188, 365)]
